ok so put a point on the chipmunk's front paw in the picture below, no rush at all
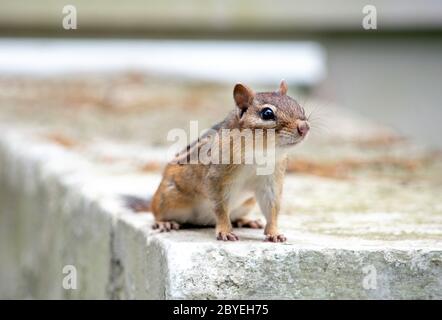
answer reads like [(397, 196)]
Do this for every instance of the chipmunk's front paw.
[(227, 236), (165, 226), (275, 238)]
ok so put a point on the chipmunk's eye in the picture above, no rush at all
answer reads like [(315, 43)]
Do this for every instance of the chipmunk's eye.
[(267, 114)]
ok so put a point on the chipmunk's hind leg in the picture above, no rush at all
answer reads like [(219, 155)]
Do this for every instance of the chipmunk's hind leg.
[(240, 219), (170, 207)]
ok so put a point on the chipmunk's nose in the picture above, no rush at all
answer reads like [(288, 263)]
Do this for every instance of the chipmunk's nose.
[(303, 128)]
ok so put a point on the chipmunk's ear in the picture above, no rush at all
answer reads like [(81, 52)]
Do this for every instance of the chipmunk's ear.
[(283, 87), (243, 96)]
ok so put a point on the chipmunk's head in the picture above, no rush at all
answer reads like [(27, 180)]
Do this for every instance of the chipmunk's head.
[(272, 110)]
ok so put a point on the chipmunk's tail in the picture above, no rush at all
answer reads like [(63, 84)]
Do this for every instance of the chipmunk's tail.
[(137, 204)]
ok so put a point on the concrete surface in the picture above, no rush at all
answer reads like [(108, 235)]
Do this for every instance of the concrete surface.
[(375, 234)]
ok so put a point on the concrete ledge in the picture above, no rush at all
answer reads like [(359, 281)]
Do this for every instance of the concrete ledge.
[(60, 209), (46, 222)]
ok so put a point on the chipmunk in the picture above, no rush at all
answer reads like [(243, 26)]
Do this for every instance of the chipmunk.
[(222, 195)]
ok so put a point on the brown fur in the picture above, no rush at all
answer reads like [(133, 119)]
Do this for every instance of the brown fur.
[(201, 194)]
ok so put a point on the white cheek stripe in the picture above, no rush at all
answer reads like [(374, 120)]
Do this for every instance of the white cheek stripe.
[(266, 123)]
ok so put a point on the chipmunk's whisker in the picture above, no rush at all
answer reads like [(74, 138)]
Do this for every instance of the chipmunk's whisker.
[(319, 129), (317, 110)]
